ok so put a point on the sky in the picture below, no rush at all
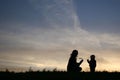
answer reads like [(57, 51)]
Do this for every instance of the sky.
[(43, 33)]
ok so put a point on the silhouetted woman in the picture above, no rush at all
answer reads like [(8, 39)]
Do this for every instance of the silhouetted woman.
[(92, 63), (73, 66)]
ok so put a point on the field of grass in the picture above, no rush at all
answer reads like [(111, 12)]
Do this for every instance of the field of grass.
[(59, 75)]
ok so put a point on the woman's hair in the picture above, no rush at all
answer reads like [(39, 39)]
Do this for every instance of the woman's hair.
[(74, 53)]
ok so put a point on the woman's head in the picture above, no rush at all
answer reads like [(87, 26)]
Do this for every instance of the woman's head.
[(74, 53)]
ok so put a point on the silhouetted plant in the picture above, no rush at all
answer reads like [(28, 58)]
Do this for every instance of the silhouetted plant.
[(6, 70), (55, 70), (30, 69), (44, 70)]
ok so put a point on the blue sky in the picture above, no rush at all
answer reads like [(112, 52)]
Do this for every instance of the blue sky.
[(33, 31), (94, 15), (99, 15)]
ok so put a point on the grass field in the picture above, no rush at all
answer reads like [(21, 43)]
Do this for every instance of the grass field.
[(59, 75)]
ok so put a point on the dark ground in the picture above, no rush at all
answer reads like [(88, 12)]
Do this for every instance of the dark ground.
[(59, 76)]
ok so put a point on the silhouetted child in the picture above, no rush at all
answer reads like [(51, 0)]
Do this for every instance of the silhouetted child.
[(92, 63), (73, 66)]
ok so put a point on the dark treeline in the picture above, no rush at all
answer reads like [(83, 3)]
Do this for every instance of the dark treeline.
[(59, 75)]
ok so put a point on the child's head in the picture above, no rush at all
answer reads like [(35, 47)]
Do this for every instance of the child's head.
[(92, 56)]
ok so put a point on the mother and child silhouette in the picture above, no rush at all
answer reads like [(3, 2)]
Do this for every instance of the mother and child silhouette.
[(74, 66)]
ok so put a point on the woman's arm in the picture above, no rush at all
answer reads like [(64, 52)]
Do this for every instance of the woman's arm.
[(80, 62)]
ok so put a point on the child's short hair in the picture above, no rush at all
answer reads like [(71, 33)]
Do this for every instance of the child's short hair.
[(92, 56)]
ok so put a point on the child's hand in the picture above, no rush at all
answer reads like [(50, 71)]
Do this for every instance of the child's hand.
[(88, 60)]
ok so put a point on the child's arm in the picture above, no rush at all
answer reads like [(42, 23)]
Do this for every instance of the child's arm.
[(88, 61)]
